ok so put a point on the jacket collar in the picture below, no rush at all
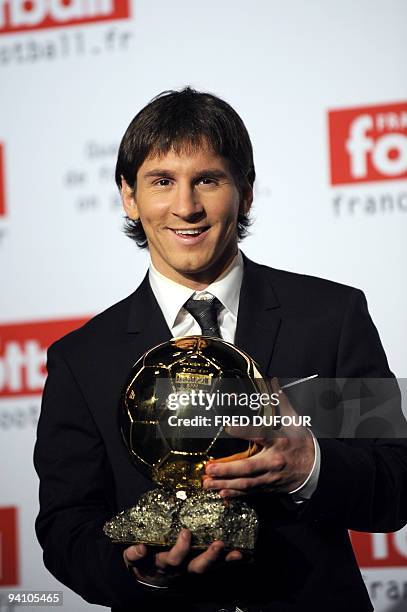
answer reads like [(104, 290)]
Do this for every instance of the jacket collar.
[(257, 324)]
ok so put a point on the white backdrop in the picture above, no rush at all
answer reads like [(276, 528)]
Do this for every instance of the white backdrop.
[(72, 76)]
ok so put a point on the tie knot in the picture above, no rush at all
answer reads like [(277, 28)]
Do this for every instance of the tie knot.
[(205, 312)]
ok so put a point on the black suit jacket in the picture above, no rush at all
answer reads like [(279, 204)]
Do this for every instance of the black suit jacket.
[(293, 326)]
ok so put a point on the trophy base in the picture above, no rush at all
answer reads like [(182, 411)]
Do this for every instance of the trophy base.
[(159, 516)]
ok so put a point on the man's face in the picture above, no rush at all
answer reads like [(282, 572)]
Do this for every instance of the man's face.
[(188, 204)]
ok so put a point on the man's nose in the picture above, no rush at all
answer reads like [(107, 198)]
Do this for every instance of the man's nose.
[(186, 203)]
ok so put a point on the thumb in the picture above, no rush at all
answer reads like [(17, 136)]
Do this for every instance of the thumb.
[(284, 405), (285, 408)]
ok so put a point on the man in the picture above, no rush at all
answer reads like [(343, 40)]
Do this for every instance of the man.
[(185, 170)]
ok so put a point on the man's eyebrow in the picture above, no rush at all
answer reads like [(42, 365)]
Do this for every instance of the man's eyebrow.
[(212, 173), (158, 172), (205, 172)]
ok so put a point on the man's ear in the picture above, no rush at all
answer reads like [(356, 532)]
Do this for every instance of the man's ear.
[(129, 203)]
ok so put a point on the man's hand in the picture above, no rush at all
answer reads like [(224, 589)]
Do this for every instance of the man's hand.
[(161, 568), (279, 460)]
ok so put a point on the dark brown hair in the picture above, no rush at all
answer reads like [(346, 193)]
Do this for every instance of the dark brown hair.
[(184, 120)]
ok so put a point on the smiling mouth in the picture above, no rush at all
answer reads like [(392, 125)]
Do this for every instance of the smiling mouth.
[(190, 232)]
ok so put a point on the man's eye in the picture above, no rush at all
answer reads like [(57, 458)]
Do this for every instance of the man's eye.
[(207, 181), (163, 182)]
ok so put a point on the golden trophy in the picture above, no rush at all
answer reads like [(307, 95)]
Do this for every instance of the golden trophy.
[(172, 429)]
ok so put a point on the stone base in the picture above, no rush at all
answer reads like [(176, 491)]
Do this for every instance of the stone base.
[(159, 516)]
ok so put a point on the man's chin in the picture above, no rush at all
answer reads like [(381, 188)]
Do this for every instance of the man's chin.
[(197, 270), (202, 268), (194, 270)]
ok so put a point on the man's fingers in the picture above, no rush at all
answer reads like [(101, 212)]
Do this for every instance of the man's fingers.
[(135, 553), (177, 554), (214, 554), (275, 385), (242, 455), (205, 560), (256, 464), (255, 433), (169, 563), (247, 484), (227, 493), (234, 555)]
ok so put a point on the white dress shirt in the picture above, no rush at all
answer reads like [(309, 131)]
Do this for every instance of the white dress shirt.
[(171, 297)]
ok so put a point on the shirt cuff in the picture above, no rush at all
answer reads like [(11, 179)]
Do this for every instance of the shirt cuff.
[(305, 491)]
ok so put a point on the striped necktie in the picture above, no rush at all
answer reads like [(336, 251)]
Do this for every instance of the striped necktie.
[(205, 313)]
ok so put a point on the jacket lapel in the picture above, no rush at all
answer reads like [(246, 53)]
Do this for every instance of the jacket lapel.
[(258, 320), (146, 320)]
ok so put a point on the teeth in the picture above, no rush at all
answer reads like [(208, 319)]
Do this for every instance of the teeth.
[(189, 232)]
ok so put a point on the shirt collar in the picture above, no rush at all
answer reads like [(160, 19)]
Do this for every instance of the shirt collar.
[(171, 296)]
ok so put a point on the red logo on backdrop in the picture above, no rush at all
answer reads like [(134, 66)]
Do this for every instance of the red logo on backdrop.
[(28, 15), (23, 354), (2, 183), (380, 549), (368, 143), (9, 574)]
